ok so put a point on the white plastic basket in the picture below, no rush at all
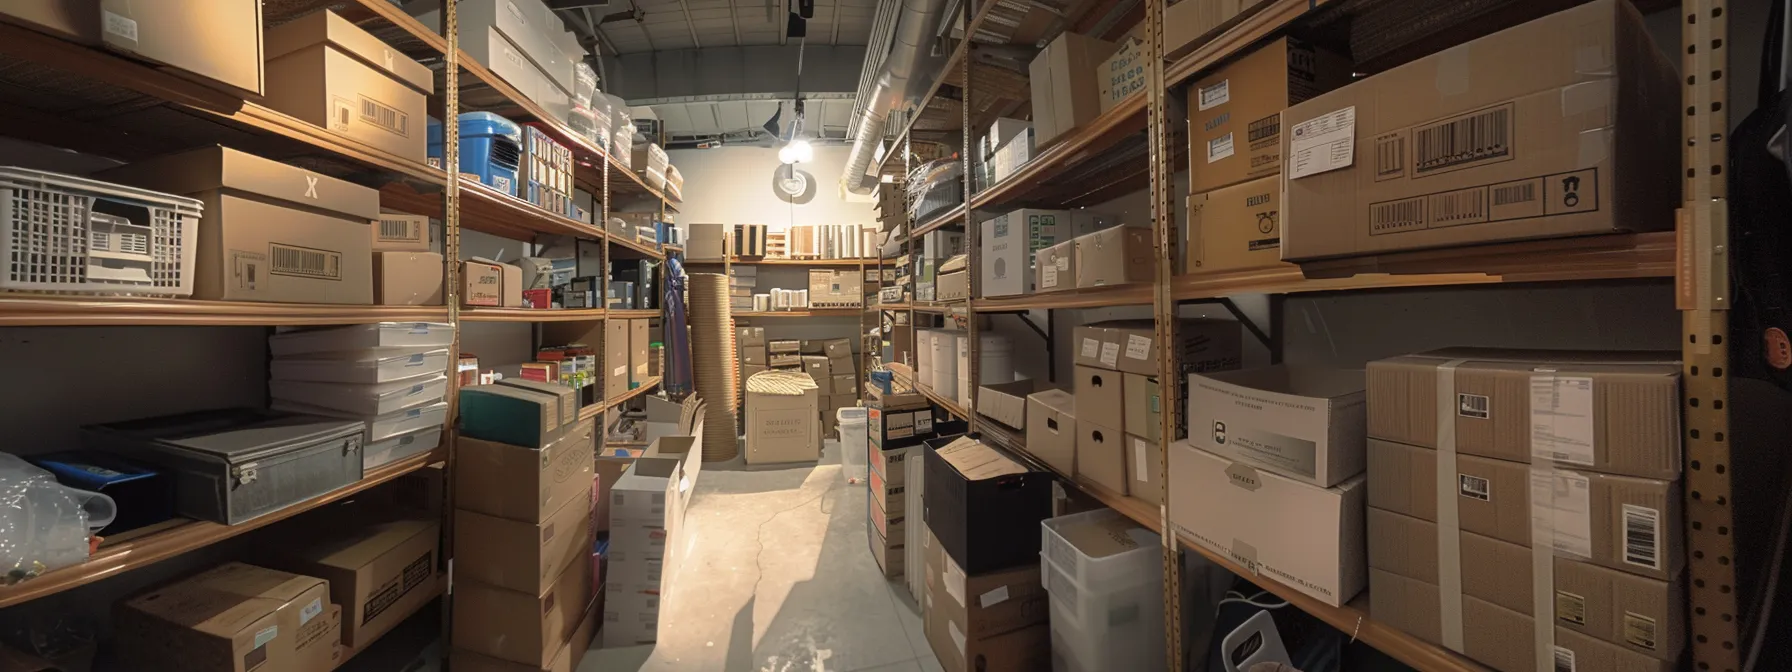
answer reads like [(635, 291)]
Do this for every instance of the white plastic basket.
[(61, 233), (1116, 571)]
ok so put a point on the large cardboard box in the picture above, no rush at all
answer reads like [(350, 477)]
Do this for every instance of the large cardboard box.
[(1644, 615), (407, 278), (1122, 75), (616, 357), (331, 73), (1497, 636), (379, 574), (1115, 256), (1009, 241), (270, 231), (1065, 92), (1101, 454), (214, 42), (1621, 522), (1054, 268), (1051, 436), (994, 620), (519, 556), (1555, 127), (1237, 227), (1310, 538), (527, 628), (231, 618), (783, 418), (639, 337), (1305, 423), (1235, 123), (565, 660), (482, 284), (1611, 412), (1144, 469), (983, 505), (1190, 19), (525, 484)]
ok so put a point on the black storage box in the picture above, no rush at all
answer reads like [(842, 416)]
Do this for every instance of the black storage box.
[(989, 523)]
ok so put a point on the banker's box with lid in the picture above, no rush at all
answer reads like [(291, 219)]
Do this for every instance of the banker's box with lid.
[(331, 73), (235, 465)]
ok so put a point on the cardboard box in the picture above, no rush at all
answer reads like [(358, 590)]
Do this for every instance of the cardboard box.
[(1115, 256), (983, 505), (1621, 522), (785, 346), (565, 660), (514, 414), (1235, 123), (407, 278), (844, 385), (1305, 423), (953, 286), (837, 348), (1188, 20), (1006, 403), (1051, 436), (1611, 412), (1144, 415), (511, 287), (1236, 227), (1144, 469), (218, 44), (1122, 75), (608, 471), (231, 618), (1131, 345), (889, 490), (753, 355), (397, 232), (334, 75), (1552, 98), (1494, 635), (379, 574), (72, 20), (706, 241), (483, 284), (969, 624), (749, 336), (899, 420), (1065, 92), (1101, 454), (821, 372), (616, 357), (270, 231), (783, 413), (639, 337), (1099, 394), (1310, 538), (889, 551), (525, 484), (524, 557), (1644, 615), (1009, 241), (1054, 268), (527, 628)]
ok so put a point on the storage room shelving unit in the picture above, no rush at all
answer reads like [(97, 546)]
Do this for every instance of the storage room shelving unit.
[(88, 99), (1140, 144), (863, 354)]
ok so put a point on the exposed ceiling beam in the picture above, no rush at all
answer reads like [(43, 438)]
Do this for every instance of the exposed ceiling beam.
[(689, 24)]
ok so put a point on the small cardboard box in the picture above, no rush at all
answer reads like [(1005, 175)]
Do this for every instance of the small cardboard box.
[(616, 356), (1305, 423), (970, 627), (1123, 75), (511, 288), (1065, 92), (1235, 123), (231, 618), (527, 628), (509, 414), (483, 284), (749, 336), (1006, 403), (1188, 20), (334, 75), (1144, 469), (1054, 268), (398, 232), (379, 574), (1099, 394), (218, 44), (1101, 455), (1271, 524), (783, 418), (837, 348), (1144, 416), (1236, 227), (1551, 128), (1115, 256), (524, 557), (844, 385), (983, 505), (407, 278), (1051, 436), (888, 550), (954, 282), (821, 372), (639, 336), (1009, 242), (525, 484)]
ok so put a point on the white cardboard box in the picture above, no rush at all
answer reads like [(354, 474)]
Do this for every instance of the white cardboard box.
[(1307, 537), (1051, 436), (1006, 403), (1009, 242), (1306, 423)]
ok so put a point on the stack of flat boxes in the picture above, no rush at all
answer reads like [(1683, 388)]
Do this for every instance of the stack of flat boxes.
[(831, 365), (741, 280), (936, 248), (749, 343), (1580, 447), (785, 355), (1116, 379)]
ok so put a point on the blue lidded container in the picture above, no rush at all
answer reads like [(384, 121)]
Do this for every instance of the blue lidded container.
[(144, 494), (490, 147)]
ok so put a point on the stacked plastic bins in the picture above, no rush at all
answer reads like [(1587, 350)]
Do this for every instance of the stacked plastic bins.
[(391, 376), (1105, 579)]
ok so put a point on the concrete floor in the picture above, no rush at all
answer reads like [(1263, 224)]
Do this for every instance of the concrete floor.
[(779, 578)]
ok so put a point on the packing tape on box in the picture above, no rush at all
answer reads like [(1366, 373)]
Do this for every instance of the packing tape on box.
[(1543, 567), (1449, 522)]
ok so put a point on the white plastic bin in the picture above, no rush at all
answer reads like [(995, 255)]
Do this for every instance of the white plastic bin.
[(395, 448), (1117, 630), (371, 399), (430, 335), (372, 365), (855, 442), (1100, 574), (61, 233)]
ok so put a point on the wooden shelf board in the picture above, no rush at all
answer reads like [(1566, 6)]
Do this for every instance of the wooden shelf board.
[(617, 400), (632, 313), (763, 261), (1271, 18), (895, 306), (940, 307), (950, 406), (488, 210), (27, 309), (954, 216), (142, 551), (1085, 142), (810, 312), (490, 314)]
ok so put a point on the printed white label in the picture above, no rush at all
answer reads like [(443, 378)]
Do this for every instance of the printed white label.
[(1048, 275), (1323, 143), (1091, 347), (1471, 406), (1474, 487), (1562, 418), (1110, 354), (1642, 536), (122, 26), (1137, 347), (311, 610), (1219, 148), (266, 636), (1215, 95), (1561, 511), (620, 370), (923, 424), (993, 598), (954, 581), (1140, 470)]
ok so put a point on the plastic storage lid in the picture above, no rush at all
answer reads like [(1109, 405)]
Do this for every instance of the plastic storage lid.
[(361, 336), (363, 397), (235, 432), (475, 123), (371, 365)]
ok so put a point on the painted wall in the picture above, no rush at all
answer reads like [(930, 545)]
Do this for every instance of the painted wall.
[(733, 185)]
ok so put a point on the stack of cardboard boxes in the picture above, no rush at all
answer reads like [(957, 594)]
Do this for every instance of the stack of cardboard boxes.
[(1522, 497), (836, 288), (835, 372), (1116, 410), (646, 541), (936, 247), (749, 344), (898, 424)]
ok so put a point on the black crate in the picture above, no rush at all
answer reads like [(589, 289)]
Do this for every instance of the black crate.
[(985, 525)]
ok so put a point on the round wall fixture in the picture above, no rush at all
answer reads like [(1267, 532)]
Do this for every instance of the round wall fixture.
[(793, 184)]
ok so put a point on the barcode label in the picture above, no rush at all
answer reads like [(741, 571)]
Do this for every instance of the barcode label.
[(385, 117), (1471, 406), (1217, 94), (1459, 207), (1471, 139), (1564, 660), (1219, 148), (304, 262), (1642, 529), (1396, 216), (1523, 192), (396, 230), (1474, 487), (1390, 157), (1639, 630)]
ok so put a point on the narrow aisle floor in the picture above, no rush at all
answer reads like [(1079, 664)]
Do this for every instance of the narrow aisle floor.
[(779, 578)]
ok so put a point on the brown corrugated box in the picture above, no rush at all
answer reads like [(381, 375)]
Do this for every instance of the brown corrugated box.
[(1054, 268), (1634, 401), (1051, 432), (1556, 127), (1494, 635), (1494, 499), (1131, 345), (331, 73), (565, 660), (1101, 452), (638, 339), (1190, 19), (521, 556), (524, 484), (1065, 92), (1236, 227), (1115, 256), (407, 278), (1642, 614), (966, 635), (270, 232), (214, 42), (615, 363), (231, 618), (379, 574), (524, 628), (483, 284), (1235, 114)]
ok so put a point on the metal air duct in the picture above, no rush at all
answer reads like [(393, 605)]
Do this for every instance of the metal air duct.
[(907, 46)]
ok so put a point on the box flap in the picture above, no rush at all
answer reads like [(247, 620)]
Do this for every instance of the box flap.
[(1060, 401), (216, 167), (327, 27)]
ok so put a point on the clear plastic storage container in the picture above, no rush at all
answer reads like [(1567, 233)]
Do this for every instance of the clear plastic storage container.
[(370, 399), (855, 441), (1116, 630), (421, 335), (372, 365), (395, 448), (1100, 574)]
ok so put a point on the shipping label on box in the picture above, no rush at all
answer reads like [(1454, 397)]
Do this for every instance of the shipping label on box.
[(1235, 114), (1122, 75)]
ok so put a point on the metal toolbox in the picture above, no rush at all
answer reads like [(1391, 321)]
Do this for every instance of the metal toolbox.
[(234, 465)]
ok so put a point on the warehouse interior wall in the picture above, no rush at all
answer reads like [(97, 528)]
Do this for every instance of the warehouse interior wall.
[(733, 185)]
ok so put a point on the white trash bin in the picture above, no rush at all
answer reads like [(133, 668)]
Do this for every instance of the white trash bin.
[(855, 443)]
